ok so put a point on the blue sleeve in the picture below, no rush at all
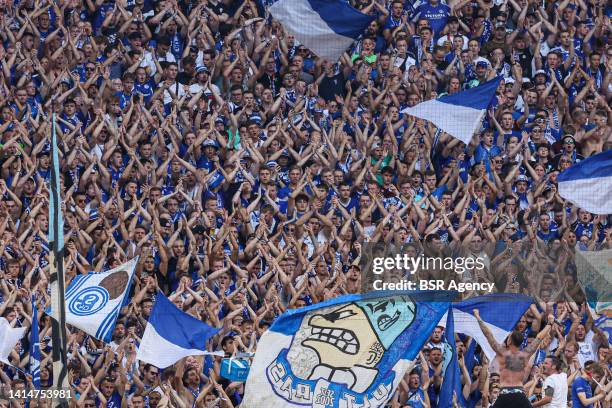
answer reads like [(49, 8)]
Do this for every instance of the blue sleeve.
[(579, 385)]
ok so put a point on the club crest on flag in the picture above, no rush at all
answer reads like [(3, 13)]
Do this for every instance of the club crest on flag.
[(91, 300), (88, 301)]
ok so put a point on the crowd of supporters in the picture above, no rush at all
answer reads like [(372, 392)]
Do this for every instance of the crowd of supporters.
[(203, 138)]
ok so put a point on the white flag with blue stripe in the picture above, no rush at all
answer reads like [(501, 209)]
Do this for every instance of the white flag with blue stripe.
[(326, 27), (460, 115), (351, 351), (588, 184), (93, 301), (500, 312), (172, 334)]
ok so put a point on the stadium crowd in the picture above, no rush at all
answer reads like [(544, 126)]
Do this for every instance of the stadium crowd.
[(248, 174)]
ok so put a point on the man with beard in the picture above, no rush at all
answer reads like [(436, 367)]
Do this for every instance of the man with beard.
[(555, 385)]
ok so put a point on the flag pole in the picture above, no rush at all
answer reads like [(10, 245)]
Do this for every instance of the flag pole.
[(56, 240)]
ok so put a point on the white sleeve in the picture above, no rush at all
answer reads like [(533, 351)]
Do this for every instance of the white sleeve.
[(548, 382)]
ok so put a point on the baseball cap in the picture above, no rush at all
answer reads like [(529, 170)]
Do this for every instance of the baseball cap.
[(521, 177), (571, 137), (202, 68), (500, 25), (210, 142), (540, 72), (482, 64)]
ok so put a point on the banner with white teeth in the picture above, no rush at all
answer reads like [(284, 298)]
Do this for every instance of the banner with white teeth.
[(349, 352)]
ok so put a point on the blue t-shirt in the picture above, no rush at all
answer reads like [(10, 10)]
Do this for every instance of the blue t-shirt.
[(579, 385), (416, 398), (436, 15)]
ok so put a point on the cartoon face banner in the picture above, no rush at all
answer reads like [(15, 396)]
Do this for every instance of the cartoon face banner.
[(347, 352)]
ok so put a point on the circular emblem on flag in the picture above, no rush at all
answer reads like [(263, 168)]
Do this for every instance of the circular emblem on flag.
[(88, 301)]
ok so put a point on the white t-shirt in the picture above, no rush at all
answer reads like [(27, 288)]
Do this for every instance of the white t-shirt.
[(195, 88), (557, 382), (587, 349), (176, 88)]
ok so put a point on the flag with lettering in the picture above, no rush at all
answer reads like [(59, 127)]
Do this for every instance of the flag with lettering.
[(350, 351)]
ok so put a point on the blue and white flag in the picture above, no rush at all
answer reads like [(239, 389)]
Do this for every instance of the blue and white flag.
[(347, 352), (594, 270), (500, 312), (327, 27), (93, 301), (34, 347), (172, 334), (588, 184), (451, 390), (460, 115)]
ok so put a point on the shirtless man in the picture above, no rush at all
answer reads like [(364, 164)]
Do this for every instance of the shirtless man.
[(513, 364)]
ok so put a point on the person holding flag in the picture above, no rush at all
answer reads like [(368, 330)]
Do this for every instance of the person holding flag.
[(513, 363)]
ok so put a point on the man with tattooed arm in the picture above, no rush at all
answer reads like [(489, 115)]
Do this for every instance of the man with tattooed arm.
[(514, 365)]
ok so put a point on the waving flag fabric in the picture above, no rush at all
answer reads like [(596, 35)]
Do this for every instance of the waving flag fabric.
[(327, 27), (595, 276), (172, 334), (451, 389), (351, 351), (93, 301), (35, 348), (9, 336), (588, 184), (460, 115), (500, 312), (57, 281)]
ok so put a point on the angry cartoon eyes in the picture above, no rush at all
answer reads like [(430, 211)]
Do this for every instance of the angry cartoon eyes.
[(341, 314)]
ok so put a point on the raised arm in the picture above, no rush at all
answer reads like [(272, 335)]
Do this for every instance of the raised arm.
[(488, 334)]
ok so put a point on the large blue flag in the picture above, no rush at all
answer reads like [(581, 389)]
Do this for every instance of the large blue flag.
[(172, 334), (451, 390), (462, 112), (351, 351), (500, 312), (588, 184), (327, 27), (34, 347)]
